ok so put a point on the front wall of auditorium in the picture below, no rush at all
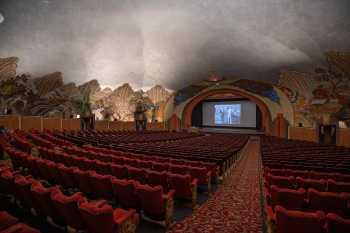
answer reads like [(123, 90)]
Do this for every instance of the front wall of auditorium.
[(293, 108)]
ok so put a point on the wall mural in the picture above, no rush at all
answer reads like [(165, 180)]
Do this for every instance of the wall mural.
[(49, 96), (322, 96)]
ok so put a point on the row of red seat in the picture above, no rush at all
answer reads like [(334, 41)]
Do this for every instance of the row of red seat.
[(294, 221), (95, 184), (310, 200), (10, 224), (74, 211), (299, 182)]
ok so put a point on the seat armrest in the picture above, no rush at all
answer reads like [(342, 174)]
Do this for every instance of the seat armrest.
[(194, 182), (209, 174), (169, 195), (122, 218)]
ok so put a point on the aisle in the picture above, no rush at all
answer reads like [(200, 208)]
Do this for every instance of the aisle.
[(235, 207)]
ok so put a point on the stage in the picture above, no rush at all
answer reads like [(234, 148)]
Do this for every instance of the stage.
[(231, 130)]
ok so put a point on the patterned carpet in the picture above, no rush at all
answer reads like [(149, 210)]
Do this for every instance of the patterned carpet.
[(235, 207)]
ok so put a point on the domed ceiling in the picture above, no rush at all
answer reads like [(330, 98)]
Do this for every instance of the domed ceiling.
[(170, 43)]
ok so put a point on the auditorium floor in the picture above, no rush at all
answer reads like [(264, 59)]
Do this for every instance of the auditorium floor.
[(235, 207)]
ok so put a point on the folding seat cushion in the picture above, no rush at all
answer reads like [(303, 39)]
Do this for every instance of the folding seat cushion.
[(23, 185), (155, 204), (337, 224), (338, 187), (137, 174), (178, 169), (343, 178), (67, 176), (20, 228), (292, 221), (67, 206), (288, 198), (158, 178), (101, 184), (6, 220), (103, 168), (185, 187), (100, 217), (280, 181), (321, 175), (83, 180), (327, 201), (157, 166), (119, 171), (319, 185), (42, 201), (125, 193)]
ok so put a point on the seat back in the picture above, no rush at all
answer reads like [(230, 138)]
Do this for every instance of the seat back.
[(158, 178), (288, 198), (125, 193), (178, 169), (119, 171), (181, 184), (337, 224), (101, 184), (67, 176), (319, 185), (98, 217), (327, 201), (151, 200), (137, 174), (338, 187), (280, 181), (83, 180), (67, 206), (292, 221)]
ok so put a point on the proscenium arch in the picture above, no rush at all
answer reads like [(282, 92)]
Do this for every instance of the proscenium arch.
[(265, 112)]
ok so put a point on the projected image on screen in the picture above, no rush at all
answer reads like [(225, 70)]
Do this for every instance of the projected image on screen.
[(227, 114)]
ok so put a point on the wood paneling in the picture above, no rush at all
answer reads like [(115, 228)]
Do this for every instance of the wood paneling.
[(343, 137), (52, 123), (31, 122), (71, 124), (302, 133), (10, 122), (101, 125)]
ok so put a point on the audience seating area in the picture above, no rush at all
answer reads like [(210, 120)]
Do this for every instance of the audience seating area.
[(306, 186), (57, 179)]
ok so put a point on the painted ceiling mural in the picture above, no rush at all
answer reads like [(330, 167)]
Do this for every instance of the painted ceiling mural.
[(321, 96)]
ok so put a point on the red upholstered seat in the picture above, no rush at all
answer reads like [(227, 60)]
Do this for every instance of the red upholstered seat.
[(155, 204), (83, 180), (100, 217), (321, 175), (54, 173), (280, 181), (178, 169), (119, 171), (103, 168), (338, 187), (319, 185), (185, 187), (343, 178), (137, 174), (67, 176), (42, 201), (7, 178), (158, 178), (23, 185), (32, 166), (327, 201), (202, 174), (20, 228), (294, 221), (288, 198), (101, 184), (157, 166), (67, 206), (337, 224), (6, 220), (125, 193)]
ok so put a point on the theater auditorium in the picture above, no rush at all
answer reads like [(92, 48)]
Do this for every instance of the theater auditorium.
[(161, 116)]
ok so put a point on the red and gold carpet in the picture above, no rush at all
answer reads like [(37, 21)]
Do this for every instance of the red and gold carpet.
[(235, 206)]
